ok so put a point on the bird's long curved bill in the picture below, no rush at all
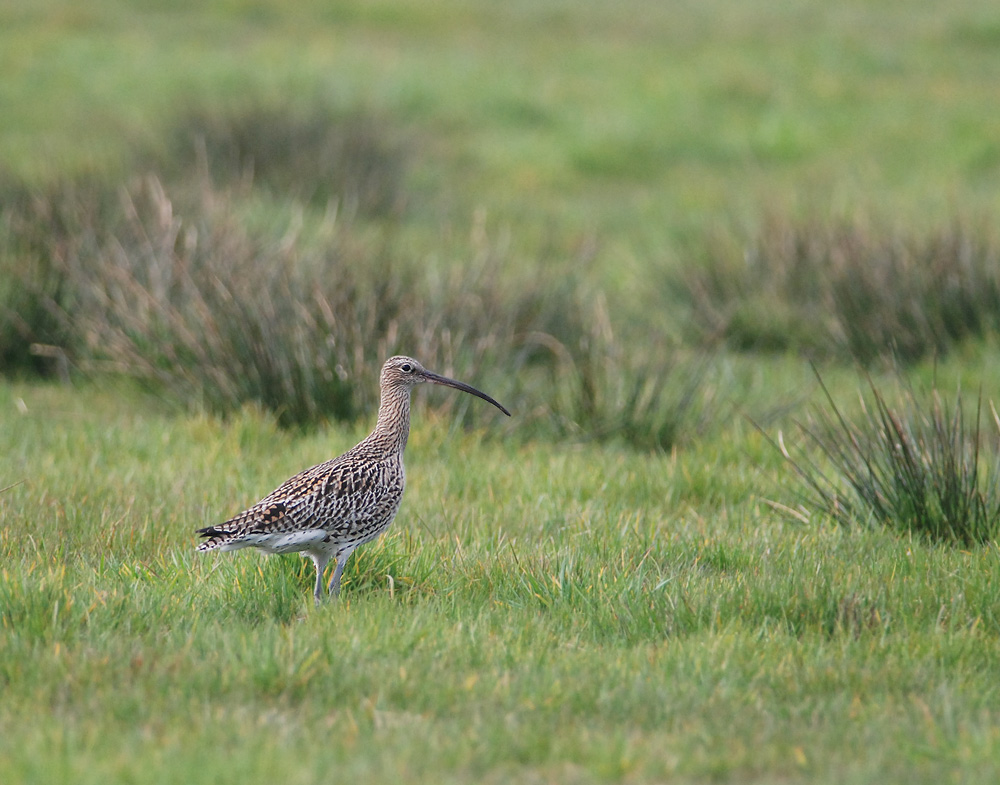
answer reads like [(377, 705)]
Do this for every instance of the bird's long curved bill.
[(433, 377)]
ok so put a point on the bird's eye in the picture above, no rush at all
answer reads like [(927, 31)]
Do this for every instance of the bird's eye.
[(406, 368)]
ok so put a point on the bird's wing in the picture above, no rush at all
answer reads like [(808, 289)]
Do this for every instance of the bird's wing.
[(336, 496)]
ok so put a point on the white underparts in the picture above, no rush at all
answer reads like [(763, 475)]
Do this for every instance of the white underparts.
[(279, 542)]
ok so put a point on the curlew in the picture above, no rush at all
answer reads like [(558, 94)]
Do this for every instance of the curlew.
[(329, 510)]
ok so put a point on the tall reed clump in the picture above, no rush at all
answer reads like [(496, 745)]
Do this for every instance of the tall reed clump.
[(178, 278), (184, 294), (639, 390), (175, 286), (914, 466), (40, 228), (848, 288)]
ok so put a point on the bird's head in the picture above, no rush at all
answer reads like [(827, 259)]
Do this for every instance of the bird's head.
[(405, 372)]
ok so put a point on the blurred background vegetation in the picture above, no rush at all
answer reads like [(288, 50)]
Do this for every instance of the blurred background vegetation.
[(592, 209)]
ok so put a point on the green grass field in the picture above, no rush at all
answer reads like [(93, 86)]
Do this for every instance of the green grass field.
[(538, 613), (548, 606)]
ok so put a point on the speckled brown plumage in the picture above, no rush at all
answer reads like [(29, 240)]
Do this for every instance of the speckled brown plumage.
[(330, 509)]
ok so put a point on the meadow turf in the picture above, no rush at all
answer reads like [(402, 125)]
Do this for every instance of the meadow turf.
[(537, 612), (552, 604)]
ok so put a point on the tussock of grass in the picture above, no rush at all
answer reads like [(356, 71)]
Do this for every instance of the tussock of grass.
[(646, 393), (41, 229), (850, 288), (914, 466), (179, 288)]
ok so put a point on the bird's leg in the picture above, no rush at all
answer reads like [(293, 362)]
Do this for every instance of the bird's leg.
[(320, 560), (338, 571)]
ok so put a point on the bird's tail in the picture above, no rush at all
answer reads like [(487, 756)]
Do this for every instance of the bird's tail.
[(214, 538)]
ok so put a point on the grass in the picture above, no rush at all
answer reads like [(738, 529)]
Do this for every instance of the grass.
[(183, 286), (660, 622), (663, 114), (316, 155), (603, 589), (920, 466), (855, 288)]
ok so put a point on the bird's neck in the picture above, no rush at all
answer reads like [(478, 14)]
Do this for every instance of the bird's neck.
[(393, 426)]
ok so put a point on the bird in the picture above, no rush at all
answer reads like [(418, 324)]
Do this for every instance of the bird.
[(328, 510)]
